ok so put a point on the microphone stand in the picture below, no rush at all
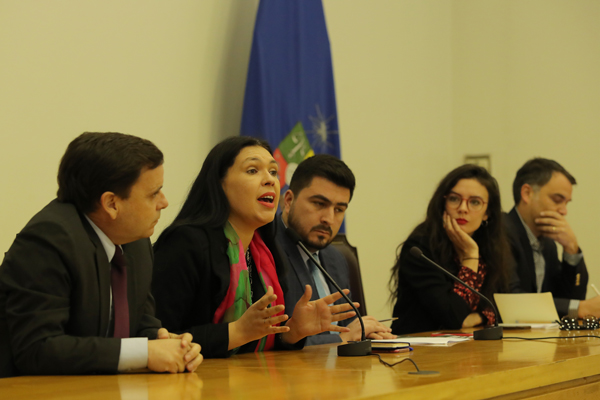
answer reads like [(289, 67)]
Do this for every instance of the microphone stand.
[(487, 333), (358, 348)]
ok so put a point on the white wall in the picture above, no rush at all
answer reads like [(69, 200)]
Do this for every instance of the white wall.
[(392, 64), (526, 78), (172, 72), (419, 85)]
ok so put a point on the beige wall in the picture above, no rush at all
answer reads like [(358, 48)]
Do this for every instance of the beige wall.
[(172, 72), (526, 79), (419, 85)]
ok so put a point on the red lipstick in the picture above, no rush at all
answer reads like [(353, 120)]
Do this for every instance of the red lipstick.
[(268, 200)]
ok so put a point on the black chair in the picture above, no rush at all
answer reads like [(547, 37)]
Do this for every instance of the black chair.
[(340, 242)]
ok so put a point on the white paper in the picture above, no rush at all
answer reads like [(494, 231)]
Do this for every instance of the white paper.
[(426, 340), (531, 325)]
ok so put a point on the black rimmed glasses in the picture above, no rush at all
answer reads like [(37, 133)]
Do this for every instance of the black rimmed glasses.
[(474, 203)]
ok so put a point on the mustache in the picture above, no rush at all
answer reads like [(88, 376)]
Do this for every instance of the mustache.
[(322, 228)]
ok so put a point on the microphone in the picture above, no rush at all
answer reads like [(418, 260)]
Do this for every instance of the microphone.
[(359, 348), (488, 333)]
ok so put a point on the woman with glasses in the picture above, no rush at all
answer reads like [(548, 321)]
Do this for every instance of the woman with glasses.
[(463, 233)]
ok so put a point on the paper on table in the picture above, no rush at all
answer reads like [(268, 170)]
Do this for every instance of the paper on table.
[(532, 325), (526, 307), (426, 340)]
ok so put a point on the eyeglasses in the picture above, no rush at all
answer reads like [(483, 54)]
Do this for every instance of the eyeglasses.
[(474, 203)]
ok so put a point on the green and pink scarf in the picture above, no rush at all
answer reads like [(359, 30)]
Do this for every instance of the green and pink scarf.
[(238, 298)]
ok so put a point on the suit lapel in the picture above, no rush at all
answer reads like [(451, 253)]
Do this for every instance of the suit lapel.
[(103, 275), (327, 263), (297, 263), (525, 245), (131, 284)]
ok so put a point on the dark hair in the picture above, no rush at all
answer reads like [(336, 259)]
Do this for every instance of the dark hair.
[(324, 166), (207, 204), (96, 162), (493, 247), (537, 172)]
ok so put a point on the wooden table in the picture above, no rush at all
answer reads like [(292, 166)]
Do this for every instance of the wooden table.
[(509, 369)]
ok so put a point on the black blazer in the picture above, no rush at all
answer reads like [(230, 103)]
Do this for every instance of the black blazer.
[(426, 298), (298, 276), (560, 278), (191, 278), (55, 297)]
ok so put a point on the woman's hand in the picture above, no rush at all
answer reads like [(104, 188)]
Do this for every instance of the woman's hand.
[(313, 317), (472, 320), (466, 248), (258, 321)]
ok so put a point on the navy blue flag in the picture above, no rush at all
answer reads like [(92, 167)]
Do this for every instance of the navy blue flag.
[(290, 94)]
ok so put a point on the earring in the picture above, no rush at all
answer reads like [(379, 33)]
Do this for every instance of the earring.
[(484, 223)]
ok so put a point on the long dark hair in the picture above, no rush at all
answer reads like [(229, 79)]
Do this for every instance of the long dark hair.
[(207, 204), (493, 247)]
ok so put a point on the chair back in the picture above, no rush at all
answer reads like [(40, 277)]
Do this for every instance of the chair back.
[(340, 242)]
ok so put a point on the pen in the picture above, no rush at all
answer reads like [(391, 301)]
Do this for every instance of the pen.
[(393, 319), (595, 289)]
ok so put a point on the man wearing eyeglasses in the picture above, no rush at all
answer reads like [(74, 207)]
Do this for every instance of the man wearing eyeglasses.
[(542, 190)]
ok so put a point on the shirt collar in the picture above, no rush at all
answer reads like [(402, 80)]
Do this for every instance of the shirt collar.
[(535, 243), (109, 246)]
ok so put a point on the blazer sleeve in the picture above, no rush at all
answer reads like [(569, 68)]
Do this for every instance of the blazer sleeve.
[(37, 279), (187, 291), (565, 281), (432, 289)]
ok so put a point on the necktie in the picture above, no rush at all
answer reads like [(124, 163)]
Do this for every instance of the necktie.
[(118, 282)]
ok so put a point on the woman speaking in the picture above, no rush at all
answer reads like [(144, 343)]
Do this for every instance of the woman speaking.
[(217, 273)]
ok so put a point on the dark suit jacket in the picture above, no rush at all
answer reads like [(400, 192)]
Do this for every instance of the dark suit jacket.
[(55, 297), (560, 277), (191, 278), (426, 299), (298, 276)]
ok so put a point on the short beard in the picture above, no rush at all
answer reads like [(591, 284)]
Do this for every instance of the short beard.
[(311, 245)]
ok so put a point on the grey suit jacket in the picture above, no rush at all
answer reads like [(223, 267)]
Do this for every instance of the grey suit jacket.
[(298, 276), (55, 297)]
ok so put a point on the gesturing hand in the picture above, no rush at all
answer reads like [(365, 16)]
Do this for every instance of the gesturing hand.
[(556, 227), (258, 321), (313, 317), (465, 246)]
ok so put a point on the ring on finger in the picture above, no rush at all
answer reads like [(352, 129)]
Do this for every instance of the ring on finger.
[(553, 229)]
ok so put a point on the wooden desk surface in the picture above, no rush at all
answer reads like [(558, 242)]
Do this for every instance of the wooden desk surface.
[(471, 370)]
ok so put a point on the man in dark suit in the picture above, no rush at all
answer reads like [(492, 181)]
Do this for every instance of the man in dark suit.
[(63, 308), (314, 207), (542, 190)]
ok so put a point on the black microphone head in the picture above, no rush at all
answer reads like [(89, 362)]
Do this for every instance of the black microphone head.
[(415, 251), (293, 235)]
